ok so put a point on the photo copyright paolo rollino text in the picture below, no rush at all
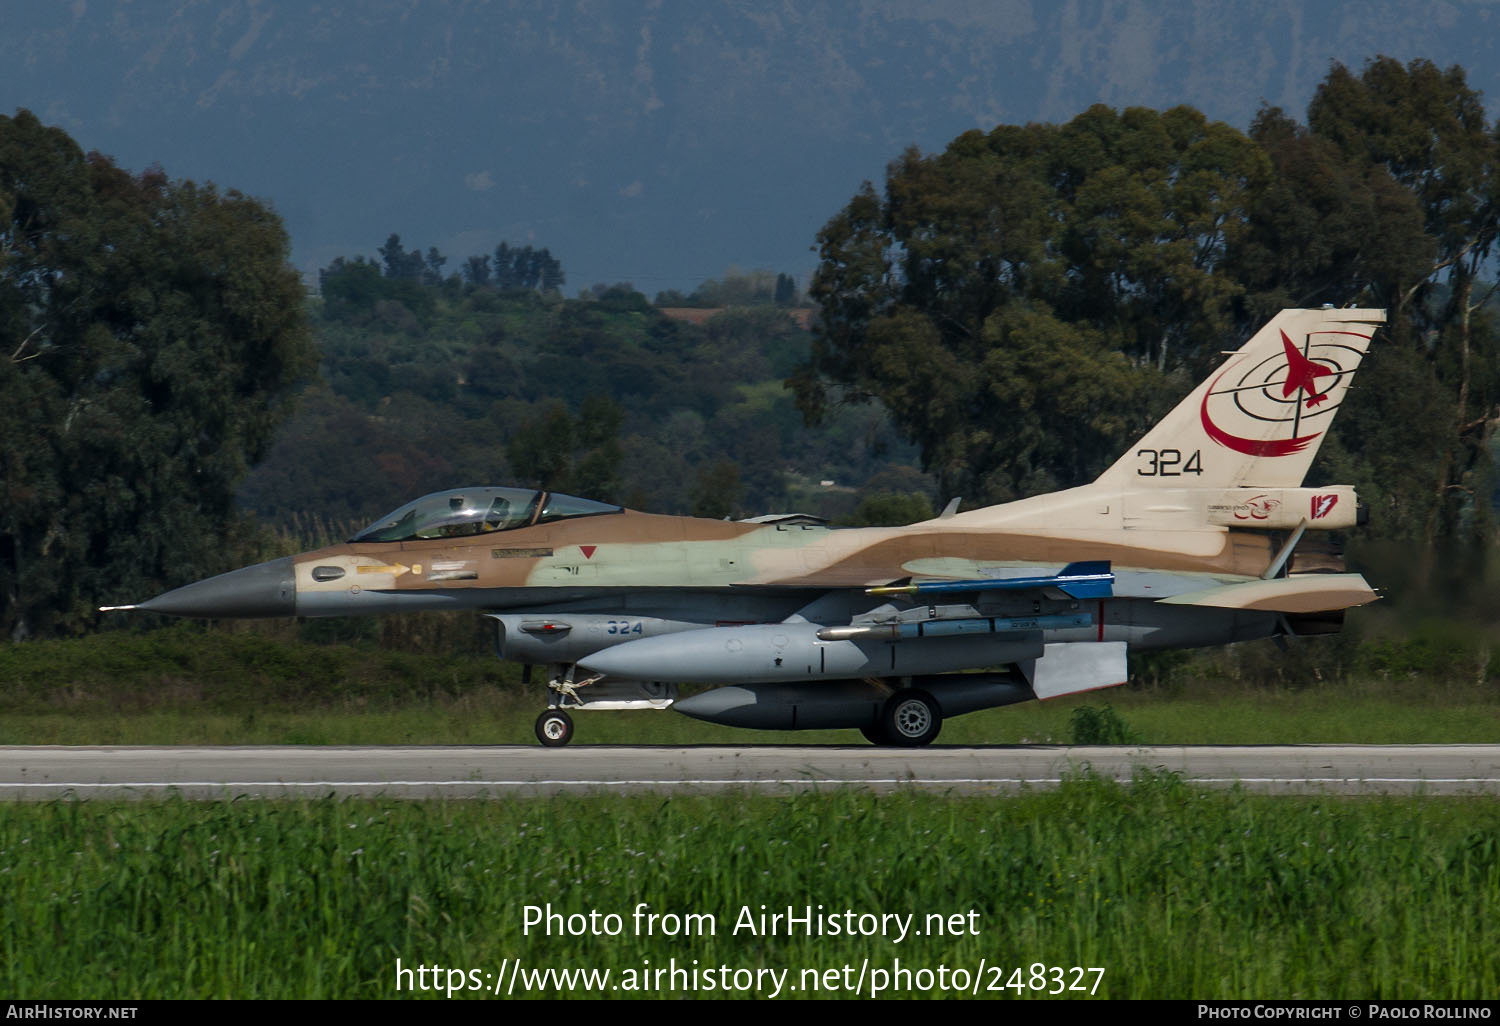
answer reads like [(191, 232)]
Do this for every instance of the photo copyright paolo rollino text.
[(856, 972)]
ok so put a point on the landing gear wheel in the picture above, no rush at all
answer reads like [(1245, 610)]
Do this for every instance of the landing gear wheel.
[(874, 735), (554, 728), (911, 718)]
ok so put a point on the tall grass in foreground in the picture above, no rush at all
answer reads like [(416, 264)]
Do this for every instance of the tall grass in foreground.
[(1176, 892)]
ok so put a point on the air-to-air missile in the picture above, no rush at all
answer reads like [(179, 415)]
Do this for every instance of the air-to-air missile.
[(1191, 538)]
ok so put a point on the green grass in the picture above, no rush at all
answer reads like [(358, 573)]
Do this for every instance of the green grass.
[(504, 717), (1174, 891), (189, 685)]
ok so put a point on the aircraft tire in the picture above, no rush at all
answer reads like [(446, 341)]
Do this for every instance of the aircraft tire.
[(554, 728), (911, 718)]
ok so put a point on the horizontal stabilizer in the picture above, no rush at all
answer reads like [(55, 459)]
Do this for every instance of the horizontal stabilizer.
[(1085, 580), (1300, 593), (1069, 667)]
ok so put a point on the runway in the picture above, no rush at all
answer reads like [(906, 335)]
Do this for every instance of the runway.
[(54, 772)]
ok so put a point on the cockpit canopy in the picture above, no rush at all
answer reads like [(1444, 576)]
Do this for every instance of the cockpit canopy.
[(468, 511)]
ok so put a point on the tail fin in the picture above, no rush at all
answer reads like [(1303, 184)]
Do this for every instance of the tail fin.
[(1258, 420)]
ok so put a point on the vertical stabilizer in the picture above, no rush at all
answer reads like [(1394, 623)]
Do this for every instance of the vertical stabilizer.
[(1258, 420)]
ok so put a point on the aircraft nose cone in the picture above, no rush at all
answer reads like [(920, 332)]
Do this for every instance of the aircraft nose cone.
[(266, 589)]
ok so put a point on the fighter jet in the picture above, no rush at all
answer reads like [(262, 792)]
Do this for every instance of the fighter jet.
[(784, 623)]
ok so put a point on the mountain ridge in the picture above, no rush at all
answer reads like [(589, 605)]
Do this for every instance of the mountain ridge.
[(654, 143)]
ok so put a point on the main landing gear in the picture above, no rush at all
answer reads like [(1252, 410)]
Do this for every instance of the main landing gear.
[(554, 728), (910, 719)]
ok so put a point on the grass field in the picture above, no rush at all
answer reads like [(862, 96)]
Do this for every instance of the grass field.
[(185, 685), (500, 717), (1174, 892)]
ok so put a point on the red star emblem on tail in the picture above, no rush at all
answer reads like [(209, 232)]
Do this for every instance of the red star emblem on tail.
[(1302, 373)]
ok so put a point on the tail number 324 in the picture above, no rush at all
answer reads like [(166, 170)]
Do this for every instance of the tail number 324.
[(1168, 463)]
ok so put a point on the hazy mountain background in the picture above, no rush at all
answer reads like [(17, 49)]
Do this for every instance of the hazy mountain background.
[(659, 142)]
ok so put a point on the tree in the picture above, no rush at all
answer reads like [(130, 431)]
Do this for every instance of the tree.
[(756, 288), (433, 272), (717, 490), (1424, 129), (597, 467), (890, 509), (541, 449), (1090, 256), (552, 278), (401, 264), (786, 290), (551, 450), (1308, 241), (477, 269), (350, 285), (356, 290), (152, 333), (1334, 227), (1389, 197), (527, 268), (505, 273)]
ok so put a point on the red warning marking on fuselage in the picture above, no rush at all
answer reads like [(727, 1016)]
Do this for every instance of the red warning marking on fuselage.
[(587, 550)]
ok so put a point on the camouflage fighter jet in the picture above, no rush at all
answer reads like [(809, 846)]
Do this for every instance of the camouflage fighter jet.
[(1189, 539)]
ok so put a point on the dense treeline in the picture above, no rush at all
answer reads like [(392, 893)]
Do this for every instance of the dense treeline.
[(757, 288), (1027, 301), (152, 332), (359, 282), (428, 383)]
